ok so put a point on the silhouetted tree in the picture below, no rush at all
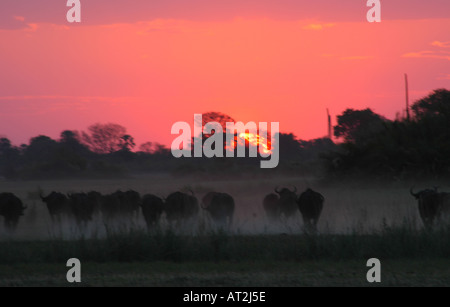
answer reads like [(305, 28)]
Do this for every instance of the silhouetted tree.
[(435, 104), (9, 158), (107, 138), (417, 148), (71, 140), (154, 148), (314, 149), (69, 136), (210, 117), (127, 143), (72, 155), (222, 119), (5, 145), (290, 147), (356, 125), (147, 147), (41, 149), (218, 117)]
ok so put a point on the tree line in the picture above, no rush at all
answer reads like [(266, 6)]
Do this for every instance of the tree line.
[(107, 150), (367, 144), (405, 148), (103, 150)]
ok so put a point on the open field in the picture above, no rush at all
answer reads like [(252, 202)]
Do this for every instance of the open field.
[(347, 209), (357, 223), (415, 273)]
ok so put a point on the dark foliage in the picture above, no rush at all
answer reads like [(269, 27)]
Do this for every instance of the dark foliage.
[(372, 146), (77, 155), (402, 149)]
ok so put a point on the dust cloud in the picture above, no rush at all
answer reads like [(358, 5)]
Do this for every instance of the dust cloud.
[(347, 209)]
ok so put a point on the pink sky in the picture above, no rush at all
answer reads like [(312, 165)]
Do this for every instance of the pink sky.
[(148, 64)]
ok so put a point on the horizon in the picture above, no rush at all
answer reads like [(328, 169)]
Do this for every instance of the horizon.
[(147, 65)]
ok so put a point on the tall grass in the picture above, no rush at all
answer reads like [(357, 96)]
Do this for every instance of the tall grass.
[(357, 222), (400, 242)]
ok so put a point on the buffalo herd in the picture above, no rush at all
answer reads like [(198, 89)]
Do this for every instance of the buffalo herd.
[(179, 207), (11, 208), (285, 203), (434, 206)]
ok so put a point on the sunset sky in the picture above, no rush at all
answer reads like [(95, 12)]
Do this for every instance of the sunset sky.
[(147, 64)]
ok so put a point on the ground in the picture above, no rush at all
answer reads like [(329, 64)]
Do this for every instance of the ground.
[(337, 257)]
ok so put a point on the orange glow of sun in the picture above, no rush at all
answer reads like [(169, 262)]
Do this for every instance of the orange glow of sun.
[(255, 140)]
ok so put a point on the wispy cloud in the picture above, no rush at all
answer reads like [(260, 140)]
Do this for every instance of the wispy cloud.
[(428, 55), (437, 53), (18, 22), (318, 26), (441, 44), (347, 57), (357, 57), (19, 18), (32, 27), (159, 25)]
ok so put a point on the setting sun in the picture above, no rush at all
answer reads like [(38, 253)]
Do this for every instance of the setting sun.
[(257, 140)]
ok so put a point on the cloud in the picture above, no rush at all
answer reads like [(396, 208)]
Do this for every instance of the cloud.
[(351, 57), (419, 54), (318, 26), (19, 18), (32, 27), (428, 55), (357, 57), (441, 44), (159, 25), (17, 22)]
